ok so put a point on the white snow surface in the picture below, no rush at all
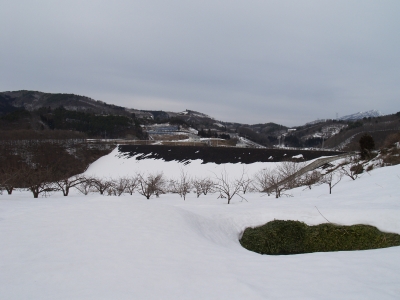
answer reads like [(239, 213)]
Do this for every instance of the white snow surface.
[(100, 247)]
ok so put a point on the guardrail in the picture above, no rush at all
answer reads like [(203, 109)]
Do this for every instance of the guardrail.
[(312, 166)]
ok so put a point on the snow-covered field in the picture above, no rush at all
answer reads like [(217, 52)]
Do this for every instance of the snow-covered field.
[(100, 247)]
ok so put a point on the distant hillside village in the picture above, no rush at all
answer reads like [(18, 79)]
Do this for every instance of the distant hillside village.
[(38, 115)]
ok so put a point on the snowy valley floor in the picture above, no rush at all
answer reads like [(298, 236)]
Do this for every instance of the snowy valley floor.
[(100, 247)]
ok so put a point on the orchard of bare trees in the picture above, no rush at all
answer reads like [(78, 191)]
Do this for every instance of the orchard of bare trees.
[(44, 179), (43, 167), (49, 168)]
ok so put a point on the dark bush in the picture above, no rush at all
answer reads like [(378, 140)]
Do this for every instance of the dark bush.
[(313, 142), (293, 141), (330, 237), (276, 237), (294, 237), (357, 169), (367, 143), (352, 125), (392, 157)]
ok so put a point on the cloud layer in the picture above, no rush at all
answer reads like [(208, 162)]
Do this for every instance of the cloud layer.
[(248, 61)]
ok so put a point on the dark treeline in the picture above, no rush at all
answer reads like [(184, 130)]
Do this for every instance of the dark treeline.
[(32, 165), (254, 136), (91, 124), (29, 134), (51, 123), (210, 134)]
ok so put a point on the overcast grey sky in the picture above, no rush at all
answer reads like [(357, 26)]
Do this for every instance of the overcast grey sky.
[(249, 61)]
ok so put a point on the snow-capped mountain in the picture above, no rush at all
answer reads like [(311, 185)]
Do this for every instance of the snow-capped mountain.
[(363, 114)]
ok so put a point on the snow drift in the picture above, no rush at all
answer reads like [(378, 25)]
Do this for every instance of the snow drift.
[(99, 247)]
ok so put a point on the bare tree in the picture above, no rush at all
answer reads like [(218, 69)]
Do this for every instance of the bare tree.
[(207, 186), (183, 185), (7, 182), (332, 178), (311, 178), (120, 185), (226, 187), (100, 185), (85, 186), (287, 170), (246, 185), (282, 177), (274, 178), (66, 184), (269, 181), (10, 171), (261, 181), (152, 184), (111, 190), (203, 186), (351, 168), (38, 181), (196, 182), (132, 184)]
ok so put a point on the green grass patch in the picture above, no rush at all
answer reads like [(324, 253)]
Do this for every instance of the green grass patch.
[(294, 237)]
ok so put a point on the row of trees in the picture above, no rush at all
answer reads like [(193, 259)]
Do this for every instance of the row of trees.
[(213, 134), (34, 165), (271, 181)]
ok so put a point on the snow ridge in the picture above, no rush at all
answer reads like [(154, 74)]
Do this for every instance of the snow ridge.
[(362, 114)]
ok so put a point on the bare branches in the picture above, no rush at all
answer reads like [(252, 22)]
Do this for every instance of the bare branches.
[(66, 184), (85, 186), (38, 180), (203, 186), (197, 186), (332, 178), (245, 185), (183, 185), (100, 185), (311, 178), (268, 181), (10, 171), (351, 168), (261, 181), (207, 186), (132, 184), (120, 185), (287, 170), (152, 184), (226, 187)]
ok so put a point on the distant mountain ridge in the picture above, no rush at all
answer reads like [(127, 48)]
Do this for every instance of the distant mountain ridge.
[(43, 112), (32, 100), (361, 115)]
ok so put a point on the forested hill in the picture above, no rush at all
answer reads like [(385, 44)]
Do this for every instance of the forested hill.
[(27, 114), (33, 100)]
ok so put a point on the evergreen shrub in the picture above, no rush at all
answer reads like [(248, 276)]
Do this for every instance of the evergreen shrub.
[(280, 237)]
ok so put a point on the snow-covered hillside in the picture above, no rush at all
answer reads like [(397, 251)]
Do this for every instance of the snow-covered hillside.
[(360, 115), (99, 247), (118, 164)]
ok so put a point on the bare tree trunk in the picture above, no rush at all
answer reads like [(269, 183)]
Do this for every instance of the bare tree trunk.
[(9, 189), (66, 191)]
